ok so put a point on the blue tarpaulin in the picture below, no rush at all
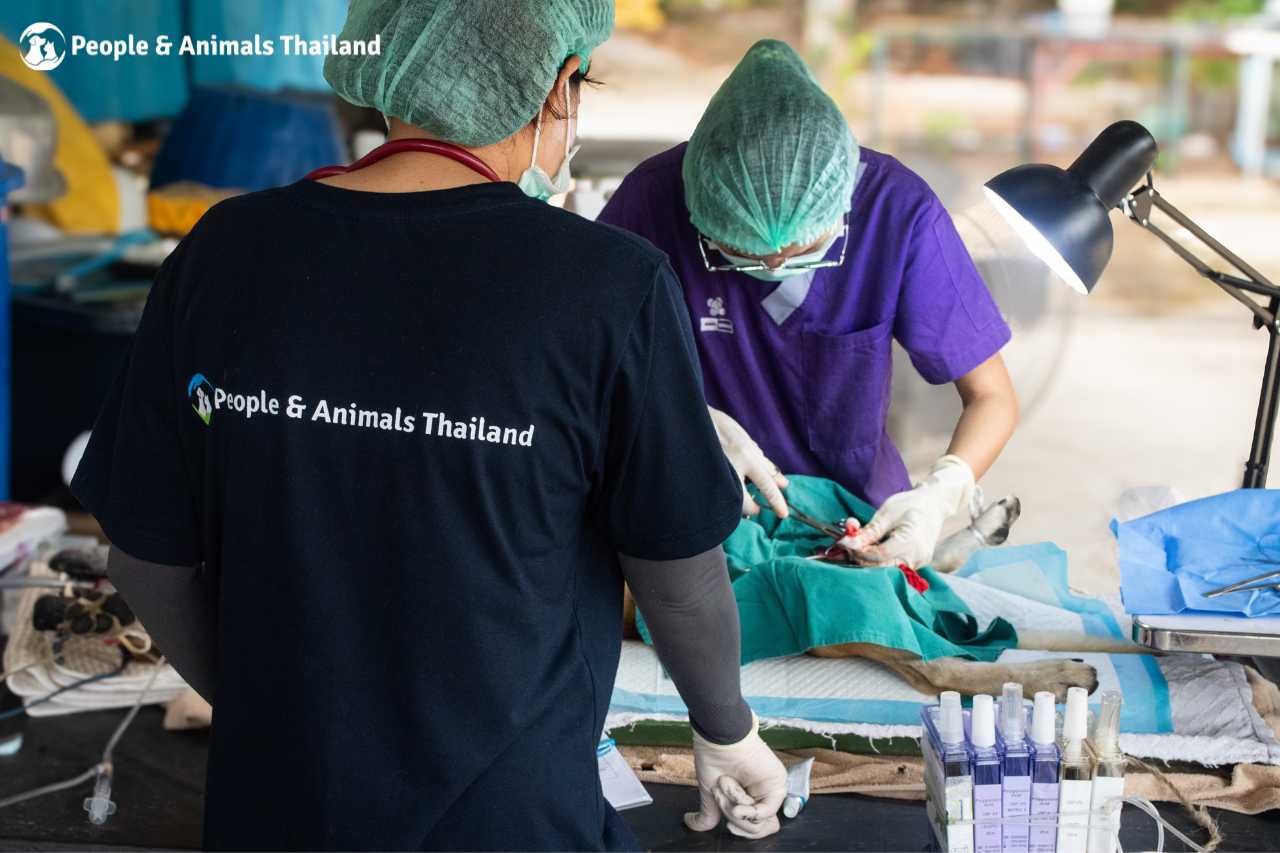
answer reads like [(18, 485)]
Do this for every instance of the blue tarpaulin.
[(241, 19), (135, 88), (1169, 559)]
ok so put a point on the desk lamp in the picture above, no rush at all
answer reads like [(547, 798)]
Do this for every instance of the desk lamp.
[(1063, 215)]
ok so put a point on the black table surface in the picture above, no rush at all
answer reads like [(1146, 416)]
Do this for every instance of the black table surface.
[(159, 787)]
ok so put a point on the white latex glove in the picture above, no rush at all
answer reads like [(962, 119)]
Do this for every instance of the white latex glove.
[(751, 464), (906, 527), (744, 782)]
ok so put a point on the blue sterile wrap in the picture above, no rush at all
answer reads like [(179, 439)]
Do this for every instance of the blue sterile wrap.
[(1171, 558)]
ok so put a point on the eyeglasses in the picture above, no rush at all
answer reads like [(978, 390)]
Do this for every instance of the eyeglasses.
[(704, 244)]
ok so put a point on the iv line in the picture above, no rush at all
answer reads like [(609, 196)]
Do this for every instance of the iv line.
[(99, 806)]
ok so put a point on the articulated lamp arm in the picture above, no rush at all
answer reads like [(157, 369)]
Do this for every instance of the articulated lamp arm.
[(1138, 206)]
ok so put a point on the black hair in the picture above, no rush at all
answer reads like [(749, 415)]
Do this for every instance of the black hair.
[(560, 111)]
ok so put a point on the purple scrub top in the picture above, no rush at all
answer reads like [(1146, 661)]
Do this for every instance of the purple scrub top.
[(805, 365)]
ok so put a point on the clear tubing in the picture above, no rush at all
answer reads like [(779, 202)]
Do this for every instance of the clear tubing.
[(99, 806), (13, 712), (50, 789)]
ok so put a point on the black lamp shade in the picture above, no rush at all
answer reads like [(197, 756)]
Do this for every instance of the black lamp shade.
[(1064, 214)]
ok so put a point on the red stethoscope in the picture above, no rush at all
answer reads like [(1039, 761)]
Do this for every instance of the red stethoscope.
[(428, 146)]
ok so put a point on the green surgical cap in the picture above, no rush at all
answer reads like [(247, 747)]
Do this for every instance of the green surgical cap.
[(467, 71), (772, 161)]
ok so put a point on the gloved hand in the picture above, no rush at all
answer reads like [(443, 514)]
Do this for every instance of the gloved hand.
[(743, 782), (906, 527), (751, 464)]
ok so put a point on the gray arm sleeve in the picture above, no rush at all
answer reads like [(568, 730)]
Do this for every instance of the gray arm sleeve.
[(691, 614), (179, 611)]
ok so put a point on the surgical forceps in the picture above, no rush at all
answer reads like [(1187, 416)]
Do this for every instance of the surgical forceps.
[(1244, 585), (836, 533)]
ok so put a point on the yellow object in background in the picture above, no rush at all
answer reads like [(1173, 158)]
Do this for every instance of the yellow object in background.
[(176, 208), (638, 15), (91, 204)]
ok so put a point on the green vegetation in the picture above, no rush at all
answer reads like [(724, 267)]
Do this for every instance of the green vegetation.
[(1194, 10), (1207, 72), (1216, 10)]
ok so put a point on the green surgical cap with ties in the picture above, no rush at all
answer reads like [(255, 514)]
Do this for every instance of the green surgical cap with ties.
[(471, 72), (772, 161)]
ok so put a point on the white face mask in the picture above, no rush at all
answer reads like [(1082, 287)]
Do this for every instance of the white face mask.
[(534, 180), (793, 265)]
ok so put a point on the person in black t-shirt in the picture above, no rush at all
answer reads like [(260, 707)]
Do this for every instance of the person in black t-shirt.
[(388, 444)]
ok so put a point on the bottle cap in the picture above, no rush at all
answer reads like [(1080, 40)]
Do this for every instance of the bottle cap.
[(1013, 715), (1075, 726), (1042, 718), (1106, 728), (950, 717), (983, 725)]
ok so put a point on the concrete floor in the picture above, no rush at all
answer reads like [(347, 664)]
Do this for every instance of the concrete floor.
[(1138, 401)]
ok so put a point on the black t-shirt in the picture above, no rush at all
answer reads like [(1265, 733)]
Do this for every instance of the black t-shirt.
[(406, 434)]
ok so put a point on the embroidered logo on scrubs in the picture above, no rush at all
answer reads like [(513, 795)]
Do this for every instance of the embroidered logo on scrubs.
[(200, 392), (717, 322)]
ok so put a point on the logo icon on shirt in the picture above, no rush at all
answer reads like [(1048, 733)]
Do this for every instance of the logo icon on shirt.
[(200, 392), (717, 322), (42, 46)]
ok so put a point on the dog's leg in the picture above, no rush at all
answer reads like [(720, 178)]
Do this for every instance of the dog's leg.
[(629, 630), (972, 677), (991, 527)]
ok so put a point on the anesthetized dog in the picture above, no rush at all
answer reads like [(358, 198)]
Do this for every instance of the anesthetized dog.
[(989, 528)]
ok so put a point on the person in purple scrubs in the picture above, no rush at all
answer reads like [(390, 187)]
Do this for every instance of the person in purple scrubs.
[(802, 257)]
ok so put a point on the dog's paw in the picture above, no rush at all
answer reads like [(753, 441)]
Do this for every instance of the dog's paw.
[(1055, 676)]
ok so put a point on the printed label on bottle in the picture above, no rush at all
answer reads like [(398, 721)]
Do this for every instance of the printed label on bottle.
[(1044, 803), (959, 807), (1016, 803), (1103, 831), (986, 807), (1073, 818)]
